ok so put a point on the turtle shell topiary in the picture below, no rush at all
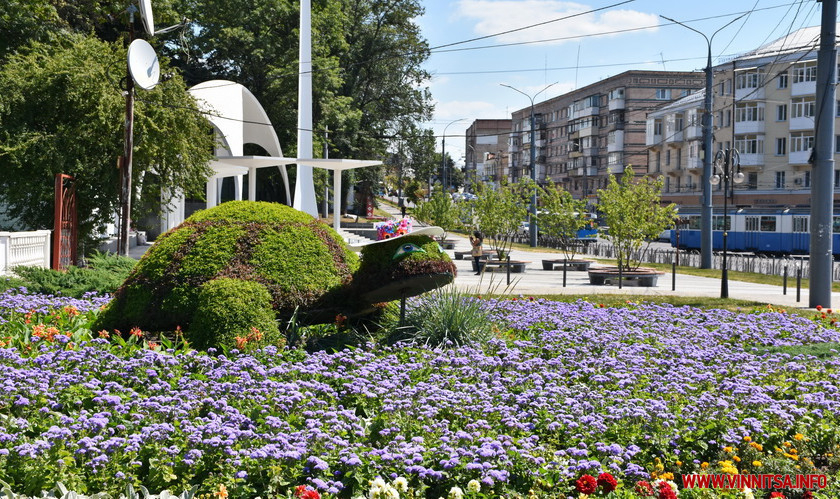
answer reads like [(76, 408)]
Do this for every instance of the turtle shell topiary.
[(302, 263)]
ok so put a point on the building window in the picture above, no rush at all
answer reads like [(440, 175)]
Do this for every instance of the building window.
[(663, 94), (837, 179), (780, 180), (782, 80), (750, 144), (750, 111), (781, 146), (837, 143), (805, 72), (679, 162), (747, 80), (806, 180), (667, 184), (667, 157), (752, 180), (781, 112), (803, 107), (800, 142), (617, 93)]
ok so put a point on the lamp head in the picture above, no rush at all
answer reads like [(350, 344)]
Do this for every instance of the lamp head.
[(738, 178), (714, 179)]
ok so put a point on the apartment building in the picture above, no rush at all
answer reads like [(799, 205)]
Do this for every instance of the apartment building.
[(764, 106), (586, 135), (486, 144)]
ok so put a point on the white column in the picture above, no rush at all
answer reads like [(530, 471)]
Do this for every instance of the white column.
[(252, 184), (237, 187), (210, 192), (336, 199), (305, 186)]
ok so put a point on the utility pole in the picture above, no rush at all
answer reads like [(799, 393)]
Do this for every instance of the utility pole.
[(822, 187), (128, 152), (706, 209)]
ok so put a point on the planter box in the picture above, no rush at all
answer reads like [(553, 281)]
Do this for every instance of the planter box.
[(581, 265), (516, 266), (641, 277)]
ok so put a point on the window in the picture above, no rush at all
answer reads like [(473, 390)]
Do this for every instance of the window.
[(781, 146), (667, 184), (837, 143), (752, 180), (801, 142), (667, 157), (657, 127), (718, 221), (768, 224), (780, 181), (679, 163), (663, 94), (617, 93), (750, 144), (802, 107), (751, 224), (782, 80), (837, 179), (806, 180), (836, 224), (805, 72), (614, 158), (800, 224), (750, 111), (728, 115), (747, 80), (781, 112)]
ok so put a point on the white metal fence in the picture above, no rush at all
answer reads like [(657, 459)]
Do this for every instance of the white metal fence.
[(24, 248)]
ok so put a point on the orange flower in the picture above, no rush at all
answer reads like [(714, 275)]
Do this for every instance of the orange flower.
[(104, 334), (222, 492), (255, 335), (135, 331), (71, 311), (241, 342), (152, 345)]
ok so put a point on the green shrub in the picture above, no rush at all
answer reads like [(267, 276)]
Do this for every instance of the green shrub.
[(228, 309), (443, 317), (105, 273)]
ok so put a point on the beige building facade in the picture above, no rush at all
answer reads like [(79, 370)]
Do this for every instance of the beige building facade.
[(486, 145)]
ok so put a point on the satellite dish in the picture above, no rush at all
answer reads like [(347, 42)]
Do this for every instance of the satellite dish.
[(143, 64), (148, 18)]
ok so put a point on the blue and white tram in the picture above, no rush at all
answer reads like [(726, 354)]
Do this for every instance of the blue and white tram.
[(753, 230)]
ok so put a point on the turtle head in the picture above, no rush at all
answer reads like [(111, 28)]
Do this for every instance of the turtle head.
[(401, 267)]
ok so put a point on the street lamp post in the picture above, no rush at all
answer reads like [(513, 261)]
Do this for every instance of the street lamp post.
[(706, 209), (532, 221), (728, 165), (443, 156)]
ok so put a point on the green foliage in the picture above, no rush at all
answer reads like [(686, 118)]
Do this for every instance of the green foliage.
[(498, 213), (561, 216), (104, 274), (440, 210), (444, 317), (227, 311), (632, 209), (61, 111)]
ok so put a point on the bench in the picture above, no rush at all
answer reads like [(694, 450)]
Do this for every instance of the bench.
[(630, 278), (465, 255), (570, 264), (516, 266)]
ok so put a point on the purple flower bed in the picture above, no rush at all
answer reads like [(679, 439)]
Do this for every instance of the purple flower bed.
[(580, 389), (19, 301)]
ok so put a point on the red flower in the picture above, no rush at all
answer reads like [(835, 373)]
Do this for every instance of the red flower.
[(779, 494), (586, 484), (305, 493), (644, 488), (819, 307), (807, 494), (666, 492), (607, 481)]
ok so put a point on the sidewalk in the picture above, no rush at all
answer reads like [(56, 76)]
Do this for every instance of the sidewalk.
[(537, 281)]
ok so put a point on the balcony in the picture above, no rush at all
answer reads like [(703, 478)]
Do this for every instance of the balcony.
[(752, 93), (575, 154), (584, 171), (674, 138), (618, 143), (590, 151), (803, 88), (588, 131), (693, 132), (694, 163), (587, 111), (513, 148), (752, 159), (802, 123), (749, 127), (795, 158), (616, 104), (615, 169), (653, 139)]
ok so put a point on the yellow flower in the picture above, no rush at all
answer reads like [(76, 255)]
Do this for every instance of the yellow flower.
[(747, 438), (704, 465), (222, 492), (679, 463), (798, 436), (727, 449), (736, 459), (792, 451), (756, 446), (667, 476), (786, 444), (757, 464)]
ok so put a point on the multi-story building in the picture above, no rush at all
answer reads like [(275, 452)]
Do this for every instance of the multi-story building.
[(484, 138), (764, 106), (586, 135)]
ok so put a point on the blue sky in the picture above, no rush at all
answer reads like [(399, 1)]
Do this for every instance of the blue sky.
[(466, 83)]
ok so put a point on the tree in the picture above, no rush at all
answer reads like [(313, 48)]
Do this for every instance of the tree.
[(62, 111), (439, 210), (561, 217), (499, 213), (634, 213)]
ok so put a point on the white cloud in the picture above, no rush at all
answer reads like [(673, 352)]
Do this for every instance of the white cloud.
[(496, 16)]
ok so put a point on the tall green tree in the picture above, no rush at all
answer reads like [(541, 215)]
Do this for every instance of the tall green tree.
[(561, 216), (633, 210), (498, 213), (62, 111)]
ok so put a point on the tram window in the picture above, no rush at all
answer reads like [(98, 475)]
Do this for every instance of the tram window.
[(694, 223), (717, 223), (800, 224), (768, 224), (752, 224), (836, 224)]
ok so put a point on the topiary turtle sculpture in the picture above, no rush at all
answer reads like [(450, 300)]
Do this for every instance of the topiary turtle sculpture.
[(244, 265)]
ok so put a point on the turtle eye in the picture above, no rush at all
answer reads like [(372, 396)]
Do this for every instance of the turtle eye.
[(406, 249)]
